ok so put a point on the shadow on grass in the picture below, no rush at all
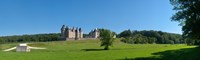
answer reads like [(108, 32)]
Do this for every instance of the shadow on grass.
[(105, 50), (181, 54), (93, 49)]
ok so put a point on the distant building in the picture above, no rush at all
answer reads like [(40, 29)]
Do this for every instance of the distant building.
[(77, 33), (71, 33), (94, 34), (22, 48)]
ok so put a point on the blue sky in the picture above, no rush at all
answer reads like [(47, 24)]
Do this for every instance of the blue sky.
[(19, 17)]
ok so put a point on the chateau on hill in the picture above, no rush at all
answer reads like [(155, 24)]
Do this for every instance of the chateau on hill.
[(77, 33), (94, 34), (71, 33)]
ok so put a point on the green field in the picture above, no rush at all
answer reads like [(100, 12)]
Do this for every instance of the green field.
[(91, 50)]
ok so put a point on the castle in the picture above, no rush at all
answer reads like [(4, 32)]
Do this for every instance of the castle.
[(77, 33), (71, 33), (94, 34)]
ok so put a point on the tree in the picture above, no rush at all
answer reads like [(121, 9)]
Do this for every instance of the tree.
[(188, 14), (30, 38), (107, 38), (152, 40), (126, 33), (150, 37)]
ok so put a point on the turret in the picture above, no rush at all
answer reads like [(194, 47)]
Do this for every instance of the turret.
[(95, 30), (73, 29), (63, 32), (77, 30), (63, 28), (80, 33), (80, 30), (67, 28), (76, 33)]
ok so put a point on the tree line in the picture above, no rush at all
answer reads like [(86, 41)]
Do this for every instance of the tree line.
[(128, 36), (150, 37), (30, 38)]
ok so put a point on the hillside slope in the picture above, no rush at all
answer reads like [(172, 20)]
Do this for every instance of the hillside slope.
[(89, 50)]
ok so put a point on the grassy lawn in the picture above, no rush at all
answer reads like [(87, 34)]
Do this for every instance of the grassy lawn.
[(91, 50)]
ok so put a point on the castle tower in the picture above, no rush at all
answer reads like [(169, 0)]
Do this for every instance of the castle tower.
[(80, 33), (67, 32), (63, 31), (76, 34), (96, 33)]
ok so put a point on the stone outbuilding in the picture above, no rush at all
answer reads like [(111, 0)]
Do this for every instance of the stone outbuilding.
[(23, 48)]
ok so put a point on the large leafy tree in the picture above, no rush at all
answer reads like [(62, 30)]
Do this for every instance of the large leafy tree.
[(107, 38), (188, 14)]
